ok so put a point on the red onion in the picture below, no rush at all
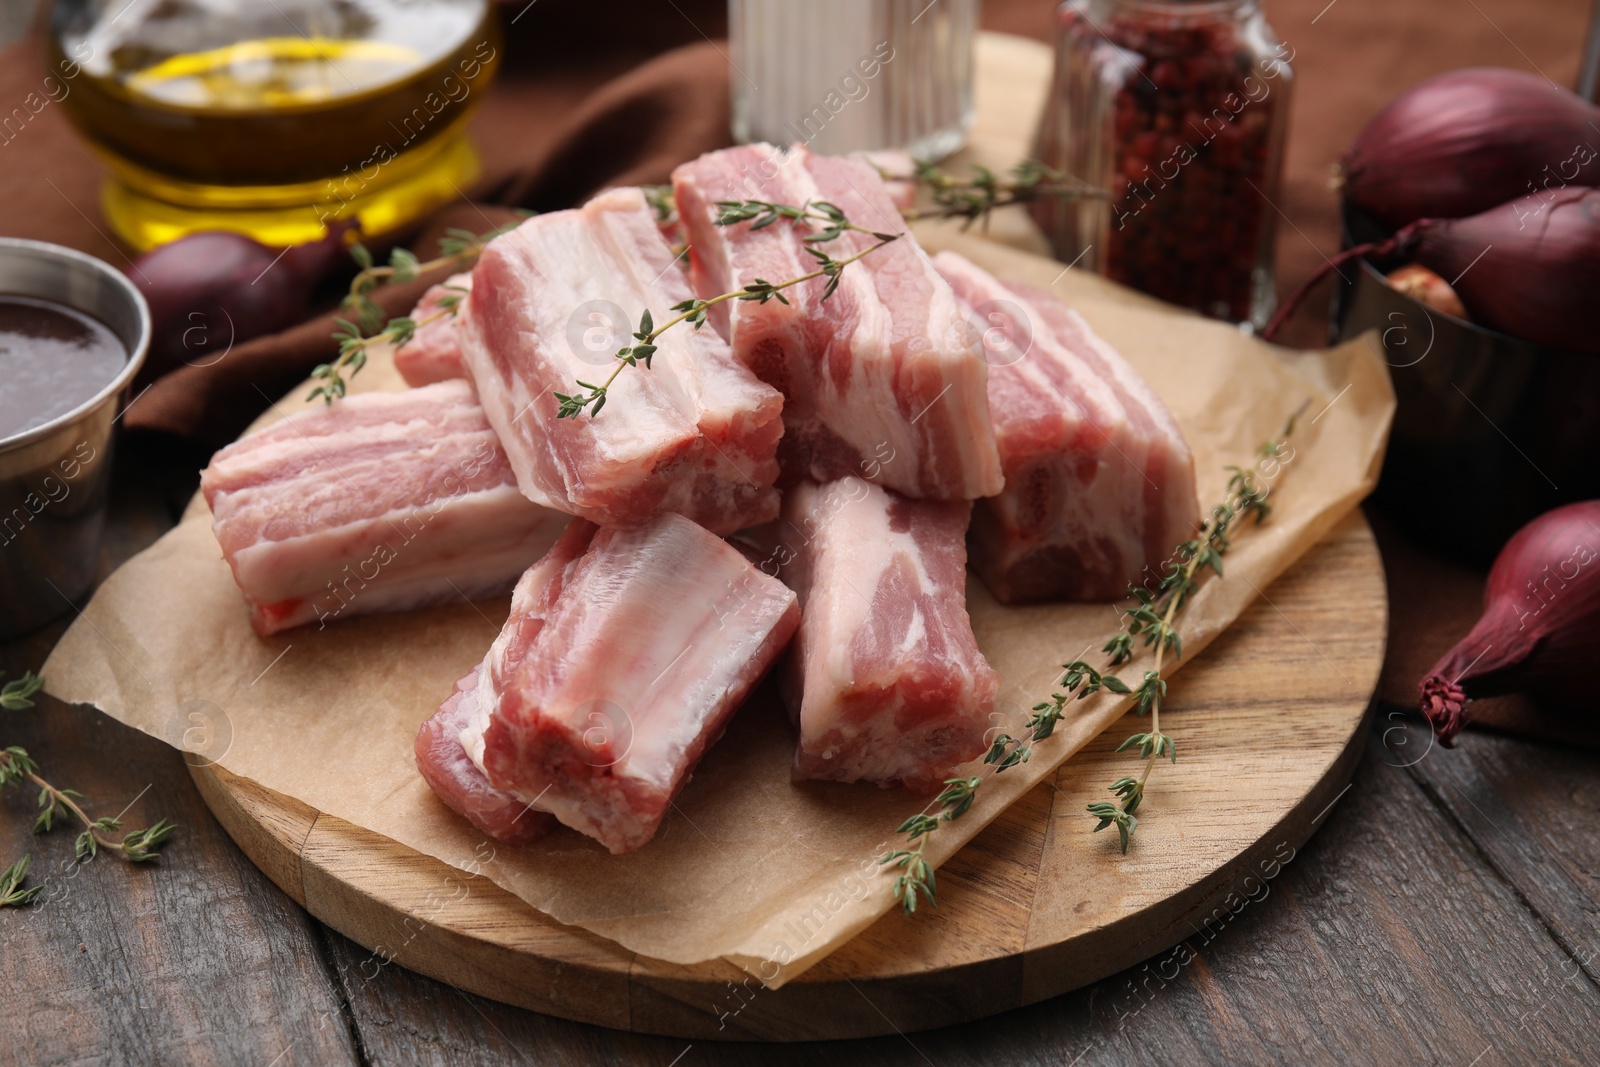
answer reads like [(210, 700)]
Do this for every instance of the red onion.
[(1540, 630), (1427, 288), (210, 291), (1459, 144), (1530, 268)]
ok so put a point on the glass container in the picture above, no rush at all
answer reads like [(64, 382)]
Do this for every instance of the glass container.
[(272, 118), (1177, 110), (853, 75)]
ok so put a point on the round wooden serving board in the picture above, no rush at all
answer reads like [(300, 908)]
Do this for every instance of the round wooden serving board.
[(1269, 719)]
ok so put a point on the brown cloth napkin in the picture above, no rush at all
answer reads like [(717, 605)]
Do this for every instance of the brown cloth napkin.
[(598, 92)]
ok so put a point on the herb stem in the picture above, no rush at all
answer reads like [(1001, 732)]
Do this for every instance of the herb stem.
[(971, 199), (64, 798), (135, 845), (353, 347), (974, 198), (1151, 618), (409, 328), (694, 311), (953, 211), (456, 249), (738, 294), (1189, 570), (369, 277), (388, 334), (17, 766), (12, 894)]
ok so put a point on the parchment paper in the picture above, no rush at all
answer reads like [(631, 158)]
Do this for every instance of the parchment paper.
[(747, 866)]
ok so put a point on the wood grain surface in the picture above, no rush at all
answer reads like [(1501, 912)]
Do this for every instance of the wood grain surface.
[(1447, 911), (1033, 907), (131, 962)]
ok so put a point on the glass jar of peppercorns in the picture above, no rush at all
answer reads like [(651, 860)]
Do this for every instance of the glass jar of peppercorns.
[(1177, 110)]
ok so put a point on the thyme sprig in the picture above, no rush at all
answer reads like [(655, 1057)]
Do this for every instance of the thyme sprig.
[(916, 873), (370, 325), (973, 199), (16, 767), (1150, 621), (19, 692), (763, 213), (760, 214), (662, 202), (12, 894), (353, 345)]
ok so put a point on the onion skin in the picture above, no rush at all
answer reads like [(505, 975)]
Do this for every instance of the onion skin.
[(1540, 629), (1426, 288), (1529, 268), (1460, 143), (209, 291), (1540, 276)]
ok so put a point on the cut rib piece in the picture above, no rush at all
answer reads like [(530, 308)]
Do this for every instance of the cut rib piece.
[(1099, 480), (461, 784), (381, 502), (886, 681), (625, 653), (882, 380), (898, 169), (695, 433), (434, 353)]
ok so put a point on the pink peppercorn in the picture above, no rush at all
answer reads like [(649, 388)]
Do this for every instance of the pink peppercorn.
[(1181, 120)]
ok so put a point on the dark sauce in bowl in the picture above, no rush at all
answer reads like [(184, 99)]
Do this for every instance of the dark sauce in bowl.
[(73, 332), (53, 359)]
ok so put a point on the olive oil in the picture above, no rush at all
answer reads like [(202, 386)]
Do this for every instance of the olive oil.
[(273, 119)]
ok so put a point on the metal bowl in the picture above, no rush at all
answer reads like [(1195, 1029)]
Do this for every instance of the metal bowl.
[(1489, 431), (55, 478)]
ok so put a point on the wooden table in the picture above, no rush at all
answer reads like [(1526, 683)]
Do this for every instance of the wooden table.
[(1445, 913)]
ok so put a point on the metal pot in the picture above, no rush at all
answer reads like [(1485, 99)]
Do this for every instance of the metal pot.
[(1490, 431), (55, 479)]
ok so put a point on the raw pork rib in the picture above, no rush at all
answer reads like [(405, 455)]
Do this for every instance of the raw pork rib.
[(434, 353), (696, 433), (1099, 481), (886, 681), (381, 502), (459, 782), (898, 170), (883, 379), (625, 654)]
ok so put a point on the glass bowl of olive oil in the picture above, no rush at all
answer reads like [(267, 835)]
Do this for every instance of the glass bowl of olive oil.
[(273, 118)]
